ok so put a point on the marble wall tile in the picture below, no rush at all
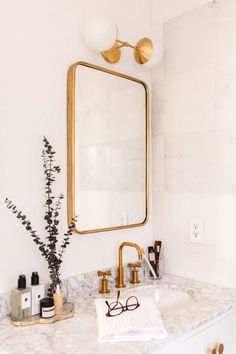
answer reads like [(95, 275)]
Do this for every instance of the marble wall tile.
[(225, 40), (194, 114), (164, 10), (185, 102), (158, 164), (201, 163), (209, 38), (190, 40), (157, 105), (205, 267), (172, 213), (225, 105), (226, 226), (173, 210)]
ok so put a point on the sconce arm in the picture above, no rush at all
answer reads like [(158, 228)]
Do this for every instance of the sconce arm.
[(125, 44)]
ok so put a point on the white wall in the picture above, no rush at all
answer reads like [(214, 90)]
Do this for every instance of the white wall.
[(39, 41), (194, 144)]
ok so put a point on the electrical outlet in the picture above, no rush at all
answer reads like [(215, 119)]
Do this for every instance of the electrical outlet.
[(196, 230)]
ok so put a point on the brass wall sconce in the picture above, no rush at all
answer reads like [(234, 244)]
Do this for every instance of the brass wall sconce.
[(101, 35), (143, 51)]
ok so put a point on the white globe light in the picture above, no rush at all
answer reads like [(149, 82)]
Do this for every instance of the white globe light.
[(100, 34), (156, 56)]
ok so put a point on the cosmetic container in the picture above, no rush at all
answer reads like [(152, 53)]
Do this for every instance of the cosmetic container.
[(47, 307), (21, 300), (158, 258), (58, 300), (38, 293)]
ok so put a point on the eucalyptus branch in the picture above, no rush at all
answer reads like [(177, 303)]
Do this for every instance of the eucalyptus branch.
[(27, 224), (55, 215), (49, 250), (65, 241)]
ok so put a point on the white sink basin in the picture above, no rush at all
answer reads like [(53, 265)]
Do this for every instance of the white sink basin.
[(169, 300)]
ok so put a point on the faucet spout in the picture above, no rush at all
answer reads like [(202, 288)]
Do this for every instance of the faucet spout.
[(120, 277)]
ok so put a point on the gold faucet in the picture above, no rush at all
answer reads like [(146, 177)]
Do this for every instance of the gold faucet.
[(120, 275)]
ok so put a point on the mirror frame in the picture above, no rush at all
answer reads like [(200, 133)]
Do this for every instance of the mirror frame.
[(71, 146)]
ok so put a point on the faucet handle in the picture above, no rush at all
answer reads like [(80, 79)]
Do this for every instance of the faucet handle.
[(104, 281), (104, 273), (134, 266), (220, 348), (217, 349)]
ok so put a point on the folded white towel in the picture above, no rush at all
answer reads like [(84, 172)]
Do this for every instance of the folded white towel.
[(142, 324)]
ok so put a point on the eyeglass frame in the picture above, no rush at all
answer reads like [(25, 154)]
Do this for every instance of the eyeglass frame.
[(124, 308)]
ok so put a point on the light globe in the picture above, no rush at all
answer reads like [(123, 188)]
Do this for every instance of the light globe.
[(100, 34)]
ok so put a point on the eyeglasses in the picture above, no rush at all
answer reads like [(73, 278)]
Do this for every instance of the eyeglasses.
[(116, 308)]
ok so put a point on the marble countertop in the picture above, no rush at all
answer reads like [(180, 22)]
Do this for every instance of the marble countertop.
[(78, 335)]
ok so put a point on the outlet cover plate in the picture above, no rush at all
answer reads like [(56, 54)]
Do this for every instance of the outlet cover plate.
[(196, 234)]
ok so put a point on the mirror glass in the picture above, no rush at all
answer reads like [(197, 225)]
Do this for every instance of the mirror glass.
[(107, 149)]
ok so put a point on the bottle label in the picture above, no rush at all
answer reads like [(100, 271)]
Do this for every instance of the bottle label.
[(152, 256), (25, 301), (48, 312), (38, 293)]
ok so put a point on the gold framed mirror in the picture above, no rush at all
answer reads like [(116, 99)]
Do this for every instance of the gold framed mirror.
[(107, 149)]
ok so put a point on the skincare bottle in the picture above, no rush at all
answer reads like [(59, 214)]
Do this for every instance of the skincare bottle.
[(38, 293), (151, 257), (58, 300), (21, 300)]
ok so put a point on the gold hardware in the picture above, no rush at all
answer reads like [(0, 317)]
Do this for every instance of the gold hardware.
[(220, 348), (143, 51), (134, 279), (104, 282), (113, 54), (217, 349), (71, 84), (120, 270)]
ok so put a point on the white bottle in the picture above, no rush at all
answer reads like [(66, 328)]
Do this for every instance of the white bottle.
[(38, 293)]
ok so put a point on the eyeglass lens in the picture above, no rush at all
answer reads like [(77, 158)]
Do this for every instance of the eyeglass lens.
[(116, 307)]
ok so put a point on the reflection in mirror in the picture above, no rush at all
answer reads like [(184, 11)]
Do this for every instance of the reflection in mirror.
[(107, 149)]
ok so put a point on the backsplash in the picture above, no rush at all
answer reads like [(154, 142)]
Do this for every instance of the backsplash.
[(194, 142)]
